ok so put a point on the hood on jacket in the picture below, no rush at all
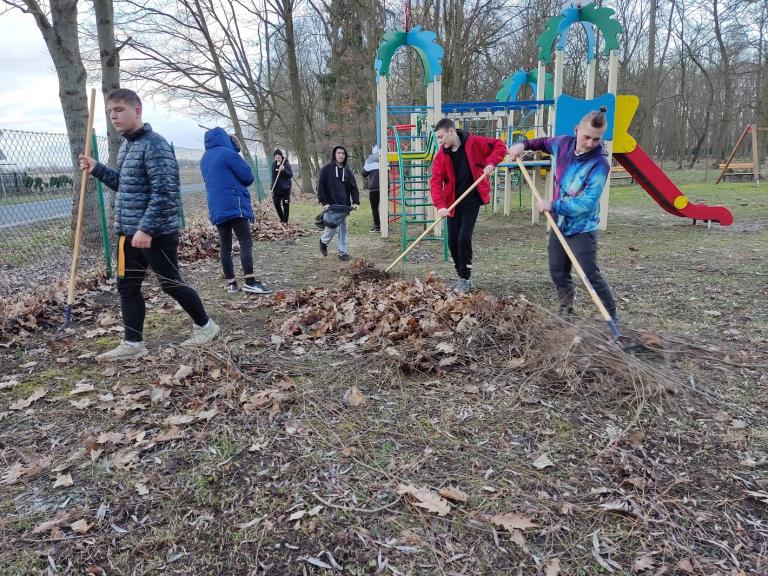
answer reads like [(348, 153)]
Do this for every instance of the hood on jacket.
[(218, 137), (372, 162), (339, 175), (278, 152), (333, 154)]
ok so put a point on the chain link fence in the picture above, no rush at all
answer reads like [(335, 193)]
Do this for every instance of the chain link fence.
[(37, 191)]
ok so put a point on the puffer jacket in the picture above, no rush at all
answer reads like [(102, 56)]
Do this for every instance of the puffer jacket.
[(227, 177), (147, 184)]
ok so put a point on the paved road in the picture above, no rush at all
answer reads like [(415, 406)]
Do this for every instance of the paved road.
[(12, 215)]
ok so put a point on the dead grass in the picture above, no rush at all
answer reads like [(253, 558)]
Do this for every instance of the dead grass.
[(622, 462)]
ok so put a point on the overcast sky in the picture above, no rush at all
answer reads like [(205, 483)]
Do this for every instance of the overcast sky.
[(29, 90)]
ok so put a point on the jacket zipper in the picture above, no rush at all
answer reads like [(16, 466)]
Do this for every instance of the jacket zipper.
[(239, 205)]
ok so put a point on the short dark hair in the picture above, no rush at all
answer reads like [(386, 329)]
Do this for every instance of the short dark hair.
[(124, 95), (596, 118), (445, 124)]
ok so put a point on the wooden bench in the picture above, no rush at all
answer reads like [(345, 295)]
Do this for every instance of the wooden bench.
[(620, 173), (744, 169)]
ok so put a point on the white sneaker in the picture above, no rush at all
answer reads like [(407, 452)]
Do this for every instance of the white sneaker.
[(124, 351), (202, 334), (256, 288)]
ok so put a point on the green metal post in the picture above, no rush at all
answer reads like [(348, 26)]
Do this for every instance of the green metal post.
[(181, 199), (102, 211), (260, 194)]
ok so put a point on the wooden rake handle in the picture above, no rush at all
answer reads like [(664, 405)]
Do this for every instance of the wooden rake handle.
[(436, 222), (271, 190), (571, 256), (81, 203)]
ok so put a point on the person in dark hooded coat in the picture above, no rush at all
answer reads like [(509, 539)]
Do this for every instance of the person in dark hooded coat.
[(337, 192), (281, 185), (227, 177)]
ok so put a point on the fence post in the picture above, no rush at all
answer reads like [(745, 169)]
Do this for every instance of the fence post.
[(181, 200), (102, 211), (260, 194)]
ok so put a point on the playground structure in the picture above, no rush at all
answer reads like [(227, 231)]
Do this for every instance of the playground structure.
[(749, 168), (408, 148)]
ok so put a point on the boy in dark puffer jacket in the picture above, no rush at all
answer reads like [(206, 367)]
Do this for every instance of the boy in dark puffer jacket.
[(227, 177), (147, 224), (337, 192)]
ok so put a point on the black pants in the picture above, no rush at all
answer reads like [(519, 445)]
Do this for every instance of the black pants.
[(282, 205), (242, 229), (584, 247), (460, 230), (374, 196), (162, 257)]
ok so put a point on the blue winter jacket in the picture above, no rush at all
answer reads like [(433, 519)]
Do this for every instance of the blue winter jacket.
[(578, 185), (147, 184), (227, 177)]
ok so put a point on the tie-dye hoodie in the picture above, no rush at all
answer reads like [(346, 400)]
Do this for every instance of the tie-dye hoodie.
[(579, 182)]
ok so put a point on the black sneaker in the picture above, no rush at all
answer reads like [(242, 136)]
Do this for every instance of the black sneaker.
[(323, 248), (256, 288), (232, 287), (375, 229), (343, 257)]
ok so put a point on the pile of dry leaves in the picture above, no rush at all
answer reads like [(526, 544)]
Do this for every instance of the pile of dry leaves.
[(201, 241), (422, 326), (43, 308)]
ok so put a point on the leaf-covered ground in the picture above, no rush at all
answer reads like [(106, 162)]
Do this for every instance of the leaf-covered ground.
[(363, 424)]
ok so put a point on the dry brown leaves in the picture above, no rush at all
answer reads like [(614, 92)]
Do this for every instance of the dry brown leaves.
[(201, 241), (426, 499), (24, 314), (369, 313)]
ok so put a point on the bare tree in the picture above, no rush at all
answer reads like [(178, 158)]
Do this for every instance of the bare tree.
[(59, 28)]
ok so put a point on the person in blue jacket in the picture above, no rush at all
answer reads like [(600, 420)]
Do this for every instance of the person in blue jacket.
[(227, 177), (581, 170)]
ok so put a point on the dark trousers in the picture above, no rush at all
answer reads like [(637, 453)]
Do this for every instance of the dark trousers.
[(584, 247), (242, 229), (162, 258), (374, 197), (282, 205), (460, 230)]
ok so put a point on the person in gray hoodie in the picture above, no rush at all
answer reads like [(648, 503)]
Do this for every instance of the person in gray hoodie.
[(371, 172), (337, 192)]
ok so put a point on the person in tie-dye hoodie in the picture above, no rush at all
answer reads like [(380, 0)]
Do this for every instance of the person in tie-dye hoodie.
[(581, 169)]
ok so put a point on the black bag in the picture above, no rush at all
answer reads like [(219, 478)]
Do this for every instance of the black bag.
[(319, 220), (332, 218)]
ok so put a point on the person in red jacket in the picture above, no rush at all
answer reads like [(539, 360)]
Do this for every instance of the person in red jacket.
[(461, 159)]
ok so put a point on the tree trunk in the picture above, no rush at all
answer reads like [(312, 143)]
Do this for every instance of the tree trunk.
[(649, 98), (723, 125), (298, 106), (110, 66), (702, 135), (225, 92), (61, 38)]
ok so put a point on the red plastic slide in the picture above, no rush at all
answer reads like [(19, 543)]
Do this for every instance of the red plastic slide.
[(665, 193)]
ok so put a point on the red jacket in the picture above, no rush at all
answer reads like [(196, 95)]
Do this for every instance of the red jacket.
[(481, 151)]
